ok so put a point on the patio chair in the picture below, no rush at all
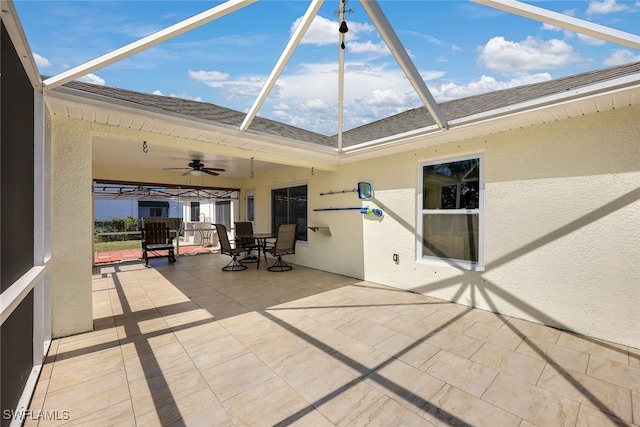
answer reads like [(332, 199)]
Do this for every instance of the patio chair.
[(156, 237), (285, 244), (225, 248), (250, 244)]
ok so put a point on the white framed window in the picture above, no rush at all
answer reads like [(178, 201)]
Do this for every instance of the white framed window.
[(451, 212)]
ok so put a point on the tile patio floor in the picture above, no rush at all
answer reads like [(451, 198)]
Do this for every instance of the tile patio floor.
[(186, 344)]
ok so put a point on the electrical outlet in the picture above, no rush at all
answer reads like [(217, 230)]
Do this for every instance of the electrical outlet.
[(396, 258)]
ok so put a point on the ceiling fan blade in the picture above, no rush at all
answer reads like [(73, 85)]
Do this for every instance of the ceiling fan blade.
[(196, 166)]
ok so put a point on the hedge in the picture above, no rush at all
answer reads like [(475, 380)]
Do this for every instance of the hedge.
[(114, 225)]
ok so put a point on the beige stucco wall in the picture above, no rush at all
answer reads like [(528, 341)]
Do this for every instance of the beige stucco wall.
[(71, 228), (562, 225), (340, 252)]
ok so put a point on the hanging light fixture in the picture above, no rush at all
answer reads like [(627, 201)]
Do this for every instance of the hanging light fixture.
[(343, 29)]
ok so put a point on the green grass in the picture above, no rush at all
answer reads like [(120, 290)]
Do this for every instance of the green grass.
[(117, 246)]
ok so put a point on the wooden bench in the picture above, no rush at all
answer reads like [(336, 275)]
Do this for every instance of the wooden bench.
[(156, 237)]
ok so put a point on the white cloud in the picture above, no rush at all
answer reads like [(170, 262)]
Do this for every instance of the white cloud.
[(208, 76), (447, 91), (619, 57), (360, 79), (604, 7), (549, 27), (570, 34), (530, 54), (313, 105), (392, 96), (181, 96), (323, 31), (368, 47), (242, 87), (185, 96), (307, 96), (590, 40), (387, 97), (432, 75), (41, 61), (92, 78)]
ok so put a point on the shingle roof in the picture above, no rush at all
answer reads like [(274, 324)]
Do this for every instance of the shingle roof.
[(465, 107), (202, 110), (404, 122)]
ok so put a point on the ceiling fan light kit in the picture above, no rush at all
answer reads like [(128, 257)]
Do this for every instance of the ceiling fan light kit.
[(196, 167)]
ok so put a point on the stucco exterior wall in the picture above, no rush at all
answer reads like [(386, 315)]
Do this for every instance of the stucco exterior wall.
[(71, 228), (562, 226), (340, 252)]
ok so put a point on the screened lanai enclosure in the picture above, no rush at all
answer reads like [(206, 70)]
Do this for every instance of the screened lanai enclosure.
[(519, 205)]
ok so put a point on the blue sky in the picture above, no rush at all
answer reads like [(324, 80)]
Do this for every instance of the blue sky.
[(460, 48)]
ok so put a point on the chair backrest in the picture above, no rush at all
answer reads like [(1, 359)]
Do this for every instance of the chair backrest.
[(176, 224), (154, 233), (244, 229), (223, 237), (286, 239)]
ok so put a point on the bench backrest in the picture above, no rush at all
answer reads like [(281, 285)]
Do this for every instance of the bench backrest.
[(175, 224), (154, 233)]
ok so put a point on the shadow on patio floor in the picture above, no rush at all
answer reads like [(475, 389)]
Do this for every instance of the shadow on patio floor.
[(188, 344)]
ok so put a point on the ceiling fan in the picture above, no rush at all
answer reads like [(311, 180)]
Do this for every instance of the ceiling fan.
[(196, 167)]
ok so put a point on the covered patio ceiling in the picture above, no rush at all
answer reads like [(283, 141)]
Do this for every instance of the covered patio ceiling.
[(150, 156)]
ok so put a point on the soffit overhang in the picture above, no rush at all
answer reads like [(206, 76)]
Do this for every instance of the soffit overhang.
[(595, 98)]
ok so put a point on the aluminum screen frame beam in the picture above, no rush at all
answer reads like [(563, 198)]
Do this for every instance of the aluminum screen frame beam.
[(564, 21), (146, 42), (404, 60), (291, 46)]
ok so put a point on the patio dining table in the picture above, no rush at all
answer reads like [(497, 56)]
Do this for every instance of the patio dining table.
[(261, 238)]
